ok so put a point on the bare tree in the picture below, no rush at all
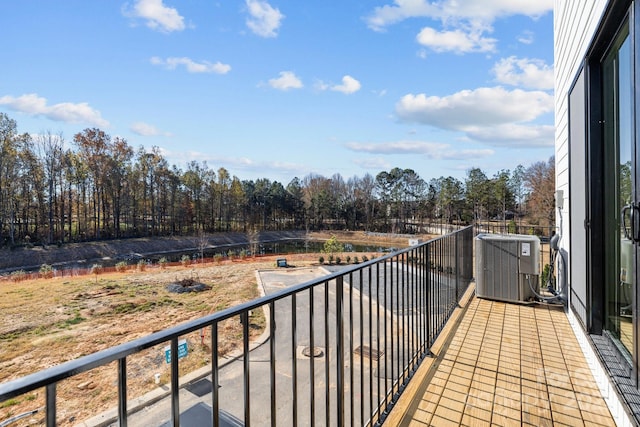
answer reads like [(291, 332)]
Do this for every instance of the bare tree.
[(540, 181), (49, 149)]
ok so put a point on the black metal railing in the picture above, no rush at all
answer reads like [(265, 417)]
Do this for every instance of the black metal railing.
[(337, 350)]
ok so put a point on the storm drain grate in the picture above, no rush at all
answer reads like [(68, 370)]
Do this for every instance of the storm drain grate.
[(366, 351), (312, 352)]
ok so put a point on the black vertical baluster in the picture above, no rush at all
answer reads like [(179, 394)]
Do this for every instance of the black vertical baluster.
[(51, 404), (379, 395), (340, 349), (428, 293), (294, 361), (312, 369), (362, 395), (272, 360), (122, 391), (215, 376), (405, 327), (351, 415), (247, 379), (394, 313), (327, 368), (370, 342), (388, 336), (175, 390), (399, 325)]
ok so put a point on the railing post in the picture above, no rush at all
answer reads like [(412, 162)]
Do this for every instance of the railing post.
[(340, 349), (312, 366), (327, 360), (175, 387), (122, 391), (51, 405), (457, 264), (244, 317), (294, 360), (427, 257), (215, 377), (272, 358)]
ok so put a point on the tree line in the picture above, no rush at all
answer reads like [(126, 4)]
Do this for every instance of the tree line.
[(100, 187)]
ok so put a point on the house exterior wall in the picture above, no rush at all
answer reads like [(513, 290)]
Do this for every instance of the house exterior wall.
[(575, 25)]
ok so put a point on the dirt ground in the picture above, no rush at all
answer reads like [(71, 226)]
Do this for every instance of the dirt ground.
[(46, 322)]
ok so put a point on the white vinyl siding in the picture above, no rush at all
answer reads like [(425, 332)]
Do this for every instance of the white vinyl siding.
[(575, 23)]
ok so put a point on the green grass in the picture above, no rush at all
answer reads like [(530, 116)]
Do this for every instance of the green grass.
[(132, 307), (9, 403), (75, 320)]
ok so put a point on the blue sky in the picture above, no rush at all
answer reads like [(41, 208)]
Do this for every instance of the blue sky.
[(284, 88)]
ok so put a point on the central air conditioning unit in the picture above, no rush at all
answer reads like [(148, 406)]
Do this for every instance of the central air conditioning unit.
[(507, 266)]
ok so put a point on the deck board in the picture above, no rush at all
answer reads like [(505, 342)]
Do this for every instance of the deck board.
[(502, 365)]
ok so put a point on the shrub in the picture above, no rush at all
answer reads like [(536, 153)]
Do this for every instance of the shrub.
[(338, 260), (348, 260), (321, 260), (332, 246), (331, 259), (121, 266), (243, 253), (364, 258), (217, 258), (96, 269), (18, 275), (46, 271), (163, 262), (546, 279), (185, 259), (356, 260), (142, 265)]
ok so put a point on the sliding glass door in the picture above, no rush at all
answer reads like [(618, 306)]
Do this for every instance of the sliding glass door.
[(621, 213)]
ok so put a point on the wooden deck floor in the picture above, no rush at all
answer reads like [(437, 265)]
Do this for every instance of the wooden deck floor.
[(505, 364)]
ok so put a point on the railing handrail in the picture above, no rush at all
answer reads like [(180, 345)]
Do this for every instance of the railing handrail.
[(85, 363)]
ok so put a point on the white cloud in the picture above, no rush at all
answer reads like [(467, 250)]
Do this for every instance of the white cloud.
[(526, 37), (513, 134), (431, 150), (252, 166), (375, 163), (528, 73), (450, 11), (466, 154), (349, 85), (287, 80), (191, 66), (157, 15), (464, 23), (397, 147), (145, 129), (493, 116), (383, 16), (263, 19), (457, 41), (68, 112), (487, 106)]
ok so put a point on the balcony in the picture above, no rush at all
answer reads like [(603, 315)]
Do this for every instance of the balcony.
[(504, 364), (397, 340)]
